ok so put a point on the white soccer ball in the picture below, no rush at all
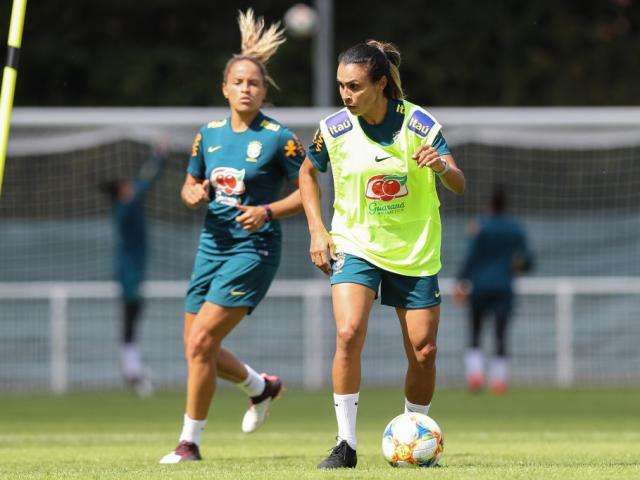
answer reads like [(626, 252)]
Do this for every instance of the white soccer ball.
[(301, 20), (412, 440)]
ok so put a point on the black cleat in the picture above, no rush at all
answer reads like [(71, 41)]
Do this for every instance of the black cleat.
[(341, 456)]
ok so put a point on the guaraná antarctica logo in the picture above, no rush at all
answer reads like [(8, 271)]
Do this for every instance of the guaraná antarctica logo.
[(229, 183), (386, 188)]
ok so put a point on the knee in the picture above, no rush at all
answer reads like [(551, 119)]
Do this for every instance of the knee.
[(199, 346), (425, 355), (349, 338)]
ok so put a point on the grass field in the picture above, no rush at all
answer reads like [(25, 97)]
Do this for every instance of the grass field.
[(528, 434)]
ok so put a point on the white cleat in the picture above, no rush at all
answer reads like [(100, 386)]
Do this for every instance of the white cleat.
[(255, 416), (170, 458), (259, 406), (184, 452)]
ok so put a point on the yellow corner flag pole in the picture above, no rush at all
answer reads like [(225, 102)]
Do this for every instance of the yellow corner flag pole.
[(9, 78)]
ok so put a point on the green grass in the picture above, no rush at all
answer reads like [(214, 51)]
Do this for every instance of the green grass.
[(528, 434)]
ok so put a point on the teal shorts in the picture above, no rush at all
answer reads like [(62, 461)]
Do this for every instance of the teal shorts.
[(240, 280), (395, 290)]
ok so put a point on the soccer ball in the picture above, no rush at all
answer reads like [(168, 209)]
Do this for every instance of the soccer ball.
[(412, 440), (301, 20)]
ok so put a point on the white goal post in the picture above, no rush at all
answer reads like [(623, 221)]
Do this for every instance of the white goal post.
[(573, 178), (552, 127)]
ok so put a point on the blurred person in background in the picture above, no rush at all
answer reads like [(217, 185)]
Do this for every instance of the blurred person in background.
[(238, 167), (130, 260), (498, 251)]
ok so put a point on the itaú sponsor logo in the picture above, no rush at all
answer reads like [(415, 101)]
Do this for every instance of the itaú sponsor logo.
[(386, 187), (338, 124), (340, 128), (420, 123)]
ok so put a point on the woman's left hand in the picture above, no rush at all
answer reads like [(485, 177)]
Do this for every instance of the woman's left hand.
[(427, 156), (251, 218)]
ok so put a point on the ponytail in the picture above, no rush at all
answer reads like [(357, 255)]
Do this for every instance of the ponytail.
[(258, 45), (393, 56), (382, 59)]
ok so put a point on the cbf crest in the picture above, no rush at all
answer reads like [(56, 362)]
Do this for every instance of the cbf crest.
[(254, 149)]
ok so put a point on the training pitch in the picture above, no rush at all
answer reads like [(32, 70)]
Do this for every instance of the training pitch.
[(527, 434)]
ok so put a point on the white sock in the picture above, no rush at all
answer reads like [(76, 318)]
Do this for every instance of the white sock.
[(253, 385), (499, 369), (192, 430), (474, 361), (130, 359), (346, 412), (415, 408)]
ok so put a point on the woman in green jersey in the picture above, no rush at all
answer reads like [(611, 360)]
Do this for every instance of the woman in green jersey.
[(385, 155), (237, 168)]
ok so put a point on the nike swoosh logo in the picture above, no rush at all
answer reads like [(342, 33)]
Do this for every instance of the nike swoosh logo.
[(213, 149), (381, 159), (437, 294), (236, 293)]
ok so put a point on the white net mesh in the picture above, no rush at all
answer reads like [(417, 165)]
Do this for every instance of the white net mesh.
[(574, 182)]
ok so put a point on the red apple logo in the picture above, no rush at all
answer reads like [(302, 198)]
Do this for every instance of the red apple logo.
[(386, 187), (377, 188), (228, 181), (391, 187)]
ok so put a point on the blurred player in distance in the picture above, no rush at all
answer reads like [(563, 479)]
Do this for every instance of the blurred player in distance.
[(238, 167), (130, 259), (497, 252), (386, 155)]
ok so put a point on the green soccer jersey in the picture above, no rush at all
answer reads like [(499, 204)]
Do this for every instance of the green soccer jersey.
[(386, 209), (245, 168)]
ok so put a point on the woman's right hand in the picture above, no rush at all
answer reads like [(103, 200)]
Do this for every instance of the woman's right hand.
[(196, 193), (322, 250)]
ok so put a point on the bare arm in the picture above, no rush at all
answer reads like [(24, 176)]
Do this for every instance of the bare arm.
[(321, 249), (453, 179), (289, 205), (254, 216)]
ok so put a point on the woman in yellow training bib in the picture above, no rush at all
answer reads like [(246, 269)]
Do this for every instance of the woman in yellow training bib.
[(385, 155)]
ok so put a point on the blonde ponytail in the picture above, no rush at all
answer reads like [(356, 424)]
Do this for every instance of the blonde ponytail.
[(257, 44)]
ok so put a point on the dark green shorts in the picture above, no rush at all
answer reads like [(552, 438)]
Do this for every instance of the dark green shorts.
[(395, 290), (240, 280)]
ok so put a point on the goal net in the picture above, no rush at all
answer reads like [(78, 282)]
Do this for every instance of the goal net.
[(573, 178)]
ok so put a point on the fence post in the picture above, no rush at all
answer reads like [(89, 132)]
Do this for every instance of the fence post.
[(59, 303), (564, 334), (313, 341)]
